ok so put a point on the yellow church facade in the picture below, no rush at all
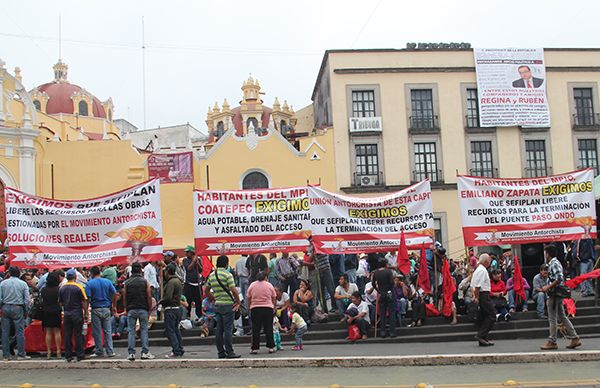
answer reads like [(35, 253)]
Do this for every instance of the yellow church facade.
[(57, 140)]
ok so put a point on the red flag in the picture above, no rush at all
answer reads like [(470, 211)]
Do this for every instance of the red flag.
[(403, 262), (448, 289), (207, 266), (573, 283), (423, 280), (518, 284), (570, 307)]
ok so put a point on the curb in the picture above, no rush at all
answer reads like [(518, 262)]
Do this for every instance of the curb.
[(315, 362)]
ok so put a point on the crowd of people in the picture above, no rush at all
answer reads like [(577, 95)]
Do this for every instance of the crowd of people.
[(278, 295)]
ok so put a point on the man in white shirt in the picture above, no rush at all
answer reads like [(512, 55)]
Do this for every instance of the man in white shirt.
[(343, 293), (150, 276), (480, 283), (242, 274), (361, 319)]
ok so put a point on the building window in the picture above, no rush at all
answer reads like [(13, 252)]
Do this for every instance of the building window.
[(584, 108), (426, 162), (220, 130), (255, 180), (367, 159), (535, 151), (588, 154), (437, 227), (37, 105), (283, 128), (482, 163), (252, 121), (363, 103), (422, 109), (472, 109), (83, 108)]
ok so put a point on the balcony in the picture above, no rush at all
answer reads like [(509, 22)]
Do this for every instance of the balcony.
[(589, 121), (368, 179), (424, 124), (537, 172), (434, 176), (484, 172)]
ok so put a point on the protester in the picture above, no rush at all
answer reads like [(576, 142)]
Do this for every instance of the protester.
[(539, 296), (325, 278), (299, 328), (282, 305), (277, 329), (358, 314), (257, 265), (304, 299), (51, 314), (556, 310), (351, 266), (151, 276), (101, 294), (400, 293), (481, 296), (14, 302), (171, 303), (192, 289), (498, 296), (73, 299), (241, 272), (221, 288), (362, 273), (261, 299), (138, 303), (383, 281), (343, 291), (286, 273), (119, 320), (585, 255), (513, 304)]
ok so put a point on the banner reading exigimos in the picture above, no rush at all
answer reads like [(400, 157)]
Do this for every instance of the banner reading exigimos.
[(342, 224), (248, 222), (521, 211), (117, 228)]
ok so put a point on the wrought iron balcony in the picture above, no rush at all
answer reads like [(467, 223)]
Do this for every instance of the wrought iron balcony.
[(536, 172), (435, 176), (419, 123), (586, 121), (472, 121)]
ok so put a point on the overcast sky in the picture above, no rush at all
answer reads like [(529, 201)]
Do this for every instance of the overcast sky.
[(199, 52)]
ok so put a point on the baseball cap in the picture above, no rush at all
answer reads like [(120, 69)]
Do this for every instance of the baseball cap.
[(169, 253), (71, 274), (190, 248)]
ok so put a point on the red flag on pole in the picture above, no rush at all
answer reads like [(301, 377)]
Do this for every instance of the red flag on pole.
[(207, 266), (448, 289), (518, 285), (423, 280), (403, 262)]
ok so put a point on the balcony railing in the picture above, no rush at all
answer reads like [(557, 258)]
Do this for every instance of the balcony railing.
[(536, 172), (589, 120), (375, 179), (472, 121), (435, 176), (486, 172), (423, 122)]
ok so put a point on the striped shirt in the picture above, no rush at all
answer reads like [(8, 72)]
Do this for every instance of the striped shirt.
[(221, 295), (555, 271)]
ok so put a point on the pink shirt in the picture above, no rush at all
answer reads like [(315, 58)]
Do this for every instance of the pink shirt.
[(261, 294)]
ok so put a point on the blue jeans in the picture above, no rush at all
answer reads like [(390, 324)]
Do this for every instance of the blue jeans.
[(585, 267), (351, 273), (224, 331), (326, 280), (299, 333), (540, 302), (119, 325), (13, 314), (132, 317), (243, 281), (172, 319), (101, 323), (511, 300), (342, 305)]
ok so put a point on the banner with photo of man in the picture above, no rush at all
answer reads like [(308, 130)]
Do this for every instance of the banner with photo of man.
[(172, 168), (343, 224), (511, 87), (522, 211), (251, 221), (117, 228)]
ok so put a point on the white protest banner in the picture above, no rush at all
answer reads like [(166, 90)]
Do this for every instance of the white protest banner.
[(520, 211), (117, 228), (511, 85), (251, 221), (342, 224)]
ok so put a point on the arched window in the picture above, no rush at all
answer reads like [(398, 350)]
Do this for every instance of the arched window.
[(37, 105), (109, 115), (220, 129), (283, 128), (83, 108), (253, 121), (255, 180)]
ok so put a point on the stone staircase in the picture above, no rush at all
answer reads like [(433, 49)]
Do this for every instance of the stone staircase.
[(521, 326)]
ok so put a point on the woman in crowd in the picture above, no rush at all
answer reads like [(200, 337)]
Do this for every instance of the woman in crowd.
[(304, 299), (282, 305), (498, 296), (261, 297), (51, 319)]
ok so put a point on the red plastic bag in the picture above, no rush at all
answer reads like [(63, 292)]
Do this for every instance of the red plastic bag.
[(354, 333)]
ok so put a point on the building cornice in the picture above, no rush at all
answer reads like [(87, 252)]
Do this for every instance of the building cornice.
[(394, 188), (457, 69)]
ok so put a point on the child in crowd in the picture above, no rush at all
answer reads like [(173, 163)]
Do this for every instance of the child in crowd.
[(299, 327), (277, 333)]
